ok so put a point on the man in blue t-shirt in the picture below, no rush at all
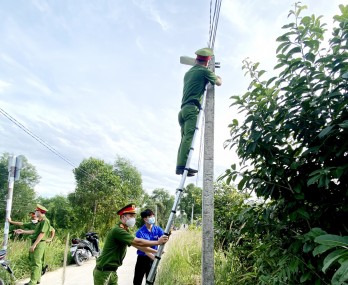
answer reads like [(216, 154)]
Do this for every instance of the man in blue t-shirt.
[(150, 232)]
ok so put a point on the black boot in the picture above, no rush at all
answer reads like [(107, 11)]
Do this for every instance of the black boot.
[(44, 269), (180, 171)]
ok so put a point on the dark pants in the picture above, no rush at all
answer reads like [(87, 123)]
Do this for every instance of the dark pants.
[(142, 267)]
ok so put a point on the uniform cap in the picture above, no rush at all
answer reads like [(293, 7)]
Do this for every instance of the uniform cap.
[(41, 208), (204, 54), (129, 209)]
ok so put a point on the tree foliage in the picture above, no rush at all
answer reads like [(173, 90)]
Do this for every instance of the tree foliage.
[(101, 190), (163, 201), (24, 196), (293, 144), (192, 199)]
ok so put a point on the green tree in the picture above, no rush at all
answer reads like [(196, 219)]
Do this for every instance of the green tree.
[(97, 196), (293, 143), (164, 202), (192, 198), (130, 178), (24, 196), (60, 212)]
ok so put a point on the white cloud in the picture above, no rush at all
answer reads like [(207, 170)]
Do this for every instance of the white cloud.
[(39, 85), (4, 85), (148, 7), (41, 5)]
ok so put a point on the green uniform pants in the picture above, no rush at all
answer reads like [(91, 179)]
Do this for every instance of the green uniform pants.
[(104, 277), (35, 261), (187, 119)]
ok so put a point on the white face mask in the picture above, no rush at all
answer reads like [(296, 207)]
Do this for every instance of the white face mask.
[(151, 220), (34, 221), (130, 222)]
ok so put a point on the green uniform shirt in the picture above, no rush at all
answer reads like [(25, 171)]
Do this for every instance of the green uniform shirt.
[(29, 226), (115, 247), (42, 227), (195, 81)]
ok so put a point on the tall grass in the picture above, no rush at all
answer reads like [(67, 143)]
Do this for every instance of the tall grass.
[(181, 262), (18, 257)]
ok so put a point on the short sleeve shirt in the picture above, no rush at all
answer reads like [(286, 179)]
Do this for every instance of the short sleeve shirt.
[(195, 81), (43, 226), (155, 233), (115, 247)]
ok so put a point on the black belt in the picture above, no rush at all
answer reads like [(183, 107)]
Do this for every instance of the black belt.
[(107, 268)]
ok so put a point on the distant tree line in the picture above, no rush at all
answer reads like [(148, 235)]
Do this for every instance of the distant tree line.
[(101, 189)]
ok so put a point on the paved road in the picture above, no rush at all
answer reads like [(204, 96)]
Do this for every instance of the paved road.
[(83, 275)]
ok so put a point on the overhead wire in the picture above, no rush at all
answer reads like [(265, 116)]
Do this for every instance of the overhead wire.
[(213, 24), (45, 144)]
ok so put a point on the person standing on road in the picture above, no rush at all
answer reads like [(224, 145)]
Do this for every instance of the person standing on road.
[(115, 247), (195, 81), (149, 232), (37, 250), (48, 241)]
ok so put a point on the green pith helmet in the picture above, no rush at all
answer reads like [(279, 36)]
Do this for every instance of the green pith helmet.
[(41, 208), (205, 52)]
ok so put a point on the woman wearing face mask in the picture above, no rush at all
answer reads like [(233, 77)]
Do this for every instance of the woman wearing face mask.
[(150, 232), (115, 247)]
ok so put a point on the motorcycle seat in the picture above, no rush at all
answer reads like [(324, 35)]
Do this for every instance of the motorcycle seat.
[(2, 253)]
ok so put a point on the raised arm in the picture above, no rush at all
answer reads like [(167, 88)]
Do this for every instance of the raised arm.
[(14, 222)]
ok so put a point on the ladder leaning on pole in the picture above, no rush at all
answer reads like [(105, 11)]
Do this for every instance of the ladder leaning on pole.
[(152, 274)]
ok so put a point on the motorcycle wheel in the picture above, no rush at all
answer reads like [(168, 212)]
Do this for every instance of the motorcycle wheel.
[(78, 257)]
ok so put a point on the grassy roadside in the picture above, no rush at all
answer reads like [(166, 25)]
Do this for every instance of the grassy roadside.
[(18, 257), (181, 262)]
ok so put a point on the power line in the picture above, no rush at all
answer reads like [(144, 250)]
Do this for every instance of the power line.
[(214, 22), (37, 138), (45, 144)]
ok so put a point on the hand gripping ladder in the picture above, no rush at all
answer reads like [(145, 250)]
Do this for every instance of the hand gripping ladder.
[(152, 274)]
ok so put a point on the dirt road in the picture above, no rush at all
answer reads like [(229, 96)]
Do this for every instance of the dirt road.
[(83, 275)]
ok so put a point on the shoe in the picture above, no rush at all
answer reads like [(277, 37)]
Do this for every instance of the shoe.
[(180, 170), (44, 269)]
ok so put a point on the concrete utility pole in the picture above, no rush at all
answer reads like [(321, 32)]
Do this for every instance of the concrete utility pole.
[(208, 187), (14, 167)]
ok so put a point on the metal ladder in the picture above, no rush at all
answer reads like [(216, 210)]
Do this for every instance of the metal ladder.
[(152, 273)]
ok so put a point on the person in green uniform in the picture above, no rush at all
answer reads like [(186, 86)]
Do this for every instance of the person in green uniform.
[(195, 81), (115, 247), (37, 250), (49, 240), (26, 226)]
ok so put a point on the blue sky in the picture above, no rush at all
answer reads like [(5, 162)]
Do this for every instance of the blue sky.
[(103, 78)]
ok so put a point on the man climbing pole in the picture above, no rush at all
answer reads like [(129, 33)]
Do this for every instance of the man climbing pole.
[(195, 81)]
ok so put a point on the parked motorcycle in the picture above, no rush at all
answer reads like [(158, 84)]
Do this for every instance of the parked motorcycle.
[(5, 264), (84, 249)]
